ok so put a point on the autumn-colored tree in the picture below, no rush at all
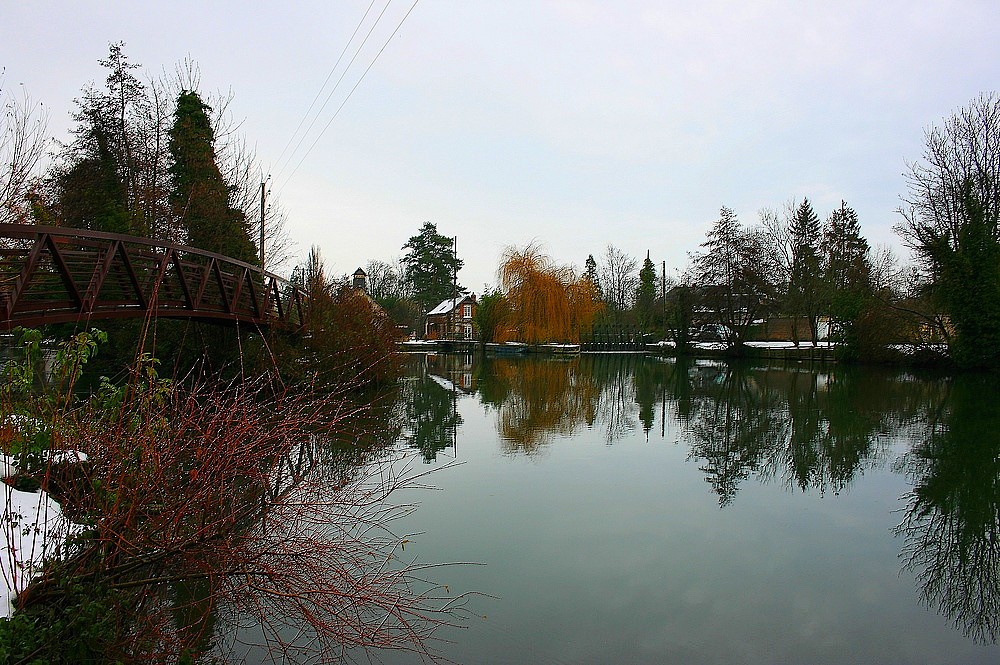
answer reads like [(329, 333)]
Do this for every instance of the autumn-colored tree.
[(347, 338), (585, 304), (548, 302)]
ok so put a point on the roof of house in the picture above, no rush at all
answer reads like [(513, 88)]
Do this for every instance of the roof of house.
[(447, 305)]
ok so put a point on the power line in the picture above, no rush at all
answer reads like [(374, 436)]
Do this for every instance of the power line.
[(339, 108), (323, 87), (336, 86)]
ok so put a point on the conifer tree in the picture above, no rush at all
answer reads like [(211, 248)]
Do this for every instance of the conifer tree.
[(590, 274), (645, 294), (845, 251), (431, 267), (733, 275), (90, 192), (96, 186), (200, 197), (804, 293), (846, 274)]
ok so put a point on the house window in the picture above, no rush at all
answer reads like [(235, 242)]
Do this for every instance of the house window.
[(466, 311), (468, 331)]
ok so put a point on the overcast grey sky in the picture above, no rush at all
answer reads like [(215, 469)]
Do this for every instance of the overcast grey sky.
[(576, 124)]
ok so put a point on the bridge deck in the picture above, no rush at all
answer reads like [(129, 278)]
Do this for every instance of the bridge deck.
[(58, 275)]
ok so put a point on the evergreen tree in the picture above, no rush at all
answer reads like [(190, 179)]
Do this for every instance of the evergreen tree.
[(95, 187), (645, 294), (804, 293), (590, 274), (200, 197), (431, 266), (733, 274), (845, 251), (113, 175), (846, 277), (90, 194)]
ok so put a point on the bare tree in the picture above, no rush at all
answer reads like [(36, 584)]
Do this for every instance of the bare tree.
[(619, 279), (951, 218), (776, 227), (385, 281), (23, 142)]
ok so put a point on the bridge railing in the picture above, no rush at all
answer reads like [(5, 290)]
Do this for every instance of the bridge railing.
[(57, 275)]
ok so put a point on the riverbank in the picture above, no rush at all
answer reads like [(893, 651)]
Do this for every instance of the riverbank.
[(825, 352)]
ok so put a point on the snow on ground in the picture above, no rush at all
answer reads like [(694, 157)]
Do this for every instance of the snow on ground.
[(32, 527)]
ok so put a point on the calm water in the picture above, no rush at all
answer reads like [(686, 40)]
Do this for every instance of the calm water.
[(632, 510)]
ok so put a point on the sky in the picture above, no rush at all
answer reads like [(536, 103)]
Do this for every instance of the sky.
[(573, 124)]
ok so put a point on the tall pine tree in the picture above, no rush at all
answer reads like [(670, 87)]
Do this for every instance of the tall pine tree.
[(645, 293), (804, 292), (590, 274), (846, 276), (431, 266), (200, 196)]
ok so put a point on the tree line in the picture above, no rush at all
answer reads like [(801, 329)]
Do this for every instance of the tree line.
[(793, 274), (154, 158), (158, 159)]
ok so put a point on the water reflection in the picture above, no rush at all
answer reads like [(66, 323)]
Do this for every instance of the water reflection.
[(815, 431), (952, 518), (429, 394)]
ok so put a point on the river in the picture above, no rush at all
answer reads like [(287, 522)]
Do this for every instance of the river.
[(630, 509)]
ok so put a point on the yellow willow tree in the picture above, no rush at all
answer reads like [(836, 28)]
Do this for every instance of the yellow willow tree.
[(548, 302)]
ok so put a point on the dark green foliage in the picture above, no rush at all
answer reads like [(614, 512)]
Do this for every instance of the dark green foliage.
[(854, 311), (845, 252), (431, 265), (645, 294), (79, 624), (91, 194), (590, 274), (680, 316), (967, 270), (492, 311), (200, 198), (804, 299), (97, 185)]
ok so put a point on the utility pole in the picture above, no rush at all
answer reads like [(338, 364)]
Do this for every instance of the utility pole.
[(454, 286), (663, 294), (263, 195)]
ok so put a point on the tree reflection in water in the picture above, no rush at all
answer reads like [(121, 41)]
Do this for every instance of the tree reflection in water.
[(808, 429), (952, 518), (428, 394), (736, 427), (813, 430)]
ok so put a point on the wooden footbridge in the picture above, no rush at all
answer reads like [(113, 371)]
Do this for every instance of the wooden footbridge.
[(59, 275)]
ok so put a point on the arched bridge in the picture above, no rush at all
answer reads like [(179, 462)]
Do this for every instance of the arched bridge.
[(58, 275)]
